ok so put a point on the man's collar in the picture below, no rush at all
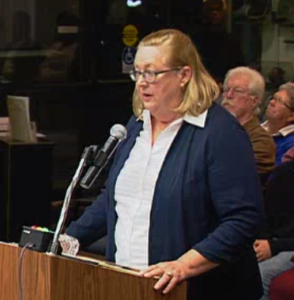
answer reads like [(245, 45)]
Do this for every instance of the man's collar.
[(196, 121)]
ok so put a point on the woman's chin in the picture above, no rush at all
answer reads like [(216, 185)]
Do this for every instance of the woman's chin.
[(148, 105)]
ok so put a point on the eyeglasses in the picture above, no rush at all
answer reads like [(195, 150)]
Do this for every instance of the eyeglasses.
[(235, 91), (149, 75), (282, 102)]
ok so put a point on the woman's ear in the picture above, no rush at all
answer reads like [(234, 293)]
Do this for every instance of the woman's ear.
[(186, 74)]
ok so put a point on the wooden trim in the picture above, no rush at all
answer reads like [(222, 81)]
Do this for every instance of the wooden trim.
[(47, 277)]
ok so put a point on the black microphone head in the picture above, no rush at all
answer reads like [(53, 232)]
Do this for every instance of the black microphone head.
[(118, 131)]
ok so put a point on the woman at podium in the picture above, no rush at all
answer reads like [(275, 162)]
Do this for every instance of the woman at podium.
[(183, 198)]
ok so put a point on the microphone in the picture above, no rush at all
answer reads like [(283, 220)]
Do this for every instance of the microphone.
[(117, 133)]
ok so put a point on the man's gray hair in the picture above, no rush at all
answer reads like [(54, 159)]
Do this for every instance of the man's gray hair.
[(289, 88), (256, 83)]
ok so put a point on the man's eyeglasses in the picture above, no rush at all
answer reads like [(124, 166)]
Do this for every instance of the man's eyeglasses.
[(282, 102), (149, 75), (235, 90)]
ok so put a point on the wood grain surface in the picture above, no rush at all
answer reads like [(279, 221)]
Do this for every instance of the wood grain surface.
[(46, 277)]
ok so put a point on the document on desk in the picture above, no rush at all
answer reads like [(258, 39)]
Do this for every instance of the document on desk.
[(4, 126), (104, 264), (19, 116)]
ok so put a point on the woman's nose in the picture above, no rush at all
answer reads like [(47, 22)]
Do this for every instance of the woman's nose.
[(141, 80)]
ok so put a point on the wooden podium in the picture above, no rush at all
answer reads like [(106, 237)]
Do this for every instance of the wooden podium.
[(47, 277)]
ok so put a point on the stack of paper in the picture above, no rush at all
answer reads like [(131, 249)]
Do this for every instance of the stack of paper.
[(4, 126), (20, 125)]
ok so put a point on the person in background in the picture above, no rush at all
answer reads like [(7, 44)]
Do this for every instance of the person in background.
[(179, 203), (276, 78), (280, 119), (62, 57), (24, 54), (242, 95), (275, 244)]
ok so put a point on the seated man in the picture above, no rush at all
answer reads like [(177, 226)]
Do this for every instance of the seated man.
[(243, 91), (279, 124), (275, 247)]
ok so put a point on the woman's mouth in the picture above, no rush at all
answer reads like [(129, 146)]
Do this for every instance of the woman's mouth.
[(146, 96)]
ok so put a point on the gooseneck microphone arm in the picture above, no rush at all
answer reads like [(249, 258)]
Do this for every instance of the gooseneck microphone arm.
[(97, 163), (117, 134), (87, 156)]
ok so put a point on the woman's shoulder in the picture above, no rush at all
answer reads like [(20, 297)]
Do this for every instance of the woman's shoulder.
[(133, 122), (222, 127), (220, 118), (133, 127)]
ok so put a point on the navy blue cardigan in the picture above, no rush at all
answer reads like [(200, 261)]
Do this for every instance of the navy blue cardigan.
[(207, 197)]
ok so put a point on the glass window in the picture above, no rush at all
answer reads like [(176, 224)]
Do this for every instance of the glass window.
[(127, 21), (39, 41), (266, 32), (125, 24)]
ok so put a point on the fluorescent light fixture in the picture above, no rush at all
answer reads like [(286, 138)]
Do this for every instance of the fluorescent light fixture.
[(133, 3)]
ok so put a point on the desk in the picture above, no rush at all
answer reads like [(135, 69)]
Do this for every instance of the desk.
[(25, 186)]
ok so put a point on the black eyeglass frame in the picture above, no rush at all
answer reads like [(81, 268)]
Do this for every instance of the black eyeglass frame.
[(134, 74), (282, 102)]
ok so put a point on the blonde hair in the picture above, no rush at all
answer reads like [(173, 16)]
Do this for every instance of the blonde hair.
[(201, 89)]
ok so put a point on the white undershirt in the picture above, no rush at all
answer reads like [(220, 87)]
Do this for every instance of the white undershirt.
[(135, 188)]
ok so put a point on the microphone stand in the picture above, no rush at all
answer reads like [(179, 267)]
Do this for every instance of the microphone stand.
[(87, 159)]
